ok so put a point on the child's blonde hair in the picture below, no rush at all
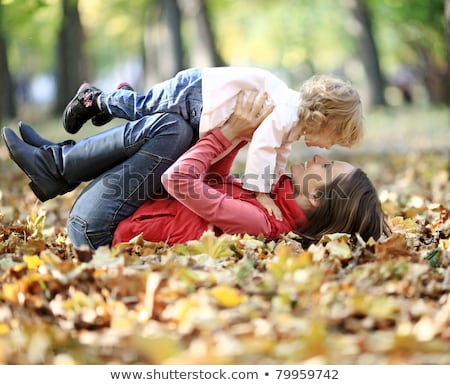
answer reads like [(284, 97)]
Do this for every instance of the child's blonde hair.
[(329, 101)]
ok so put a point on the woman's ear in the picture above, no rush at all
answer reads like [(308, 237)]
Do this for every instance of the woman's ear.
[(314, 198)]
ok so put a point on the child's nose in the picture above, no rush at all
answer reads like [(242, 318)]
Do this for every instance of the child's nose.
[(319, 159)]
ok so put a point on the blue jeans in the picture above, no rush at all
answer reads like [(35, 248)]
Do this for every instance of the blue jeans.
[(118, 192), (180, 95)]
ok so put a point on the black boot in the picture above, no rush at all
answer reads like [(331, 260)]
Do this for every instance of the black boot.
[(105, 117), (81, 108), (56, 169), (32, 137)]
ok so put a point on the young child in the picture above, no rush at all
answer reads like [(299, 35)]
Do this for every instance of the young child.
[(325, 111)]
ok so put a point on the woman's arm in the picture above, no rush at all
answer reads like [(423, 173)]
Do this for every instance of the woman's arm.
[(220, 170), (241, 124), (184, 180)]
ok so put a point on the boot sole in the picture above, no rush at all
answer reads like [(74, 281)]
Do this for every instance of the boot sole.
[(68, 109)]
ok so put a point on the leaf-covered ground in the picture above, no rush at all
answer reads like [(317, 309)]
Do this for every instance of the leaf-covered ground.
[(228, 299)]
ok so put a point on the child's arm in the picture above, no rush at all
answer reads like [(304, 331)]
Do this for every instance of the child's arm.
[(268, 203), (239, 118), (267, 153)]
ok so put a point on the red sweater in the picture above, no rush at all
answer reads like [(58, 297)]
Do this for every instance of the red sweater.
[(205, 197)]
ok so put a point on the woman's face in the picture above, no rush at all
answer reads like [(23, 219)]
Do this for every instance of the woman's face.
[(308, 176)]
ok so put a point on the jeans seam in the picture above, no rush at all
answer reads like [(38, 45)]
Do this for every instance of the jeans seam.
[(83, 226), (160, 160)]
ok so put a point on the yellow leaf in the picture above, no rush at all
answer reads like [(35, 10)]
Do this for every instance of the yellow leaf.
[(157, 348), (61, 239), (50, 258), (210, 244), (340, 249), (137, 240), (304, 259), (286, 261), (383, 308), (371, 242), (335, 237), (283, 252), (19, 267), (35, 224), (401, 224), (32, 261), (444, 244), (78, 300), (181, 308), (11, 292), (227, 296), (4, 328)]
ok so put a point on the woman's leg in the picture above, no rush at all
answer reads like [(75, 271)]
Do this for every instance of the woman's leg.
[(117, 193), (56, 168)]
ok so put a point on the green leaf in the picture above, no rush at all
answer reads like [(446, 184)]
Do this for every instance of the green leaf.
[(433, 258)]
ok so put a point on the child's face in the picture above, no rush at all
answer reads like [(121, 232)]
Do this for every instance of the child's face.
[(322, 138)]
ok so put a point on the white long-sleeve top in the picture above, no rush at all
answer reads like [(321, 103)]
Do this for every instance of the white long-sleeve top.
[(271, 142)]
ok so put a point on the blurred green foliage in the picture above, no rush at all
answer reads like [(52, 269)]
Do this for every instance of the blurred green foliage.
[(288, 34)]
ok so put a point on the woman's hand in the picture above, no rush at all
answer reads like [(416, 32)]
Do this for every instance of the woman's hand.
[(246, 116), (268, 203)]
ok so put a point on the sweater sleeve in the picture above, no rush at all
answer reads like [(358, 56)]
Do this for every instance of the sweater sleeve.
[(264, 164), (185, 181), (221, 169)]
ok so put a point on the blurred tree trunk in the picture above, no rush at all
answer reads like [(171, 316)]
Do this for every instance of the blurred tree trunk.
[(7, 91), (435, 76), (163, 48), (71, 65), (447, 18), (172, 20), (369, 52), (204, 50), (436, 72)]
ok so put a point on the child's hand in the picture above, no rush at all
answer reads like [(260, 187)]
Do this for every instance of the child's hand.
[(269, 205)]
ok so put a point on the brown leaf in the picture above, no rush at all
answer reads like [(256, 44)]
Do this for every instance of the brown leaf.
[(394, 246)]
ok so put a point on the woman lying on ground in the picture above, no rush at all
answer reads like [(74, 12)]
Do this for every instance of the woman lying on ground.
[(318, 197)]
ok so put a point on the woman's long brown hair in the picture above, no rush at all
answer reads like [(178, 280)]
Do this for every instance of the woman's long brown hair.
[(349, 204)]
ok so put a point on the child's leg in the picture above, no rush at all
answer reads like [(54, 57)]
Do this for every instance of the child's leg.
[(104, 117), (179, 95)]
